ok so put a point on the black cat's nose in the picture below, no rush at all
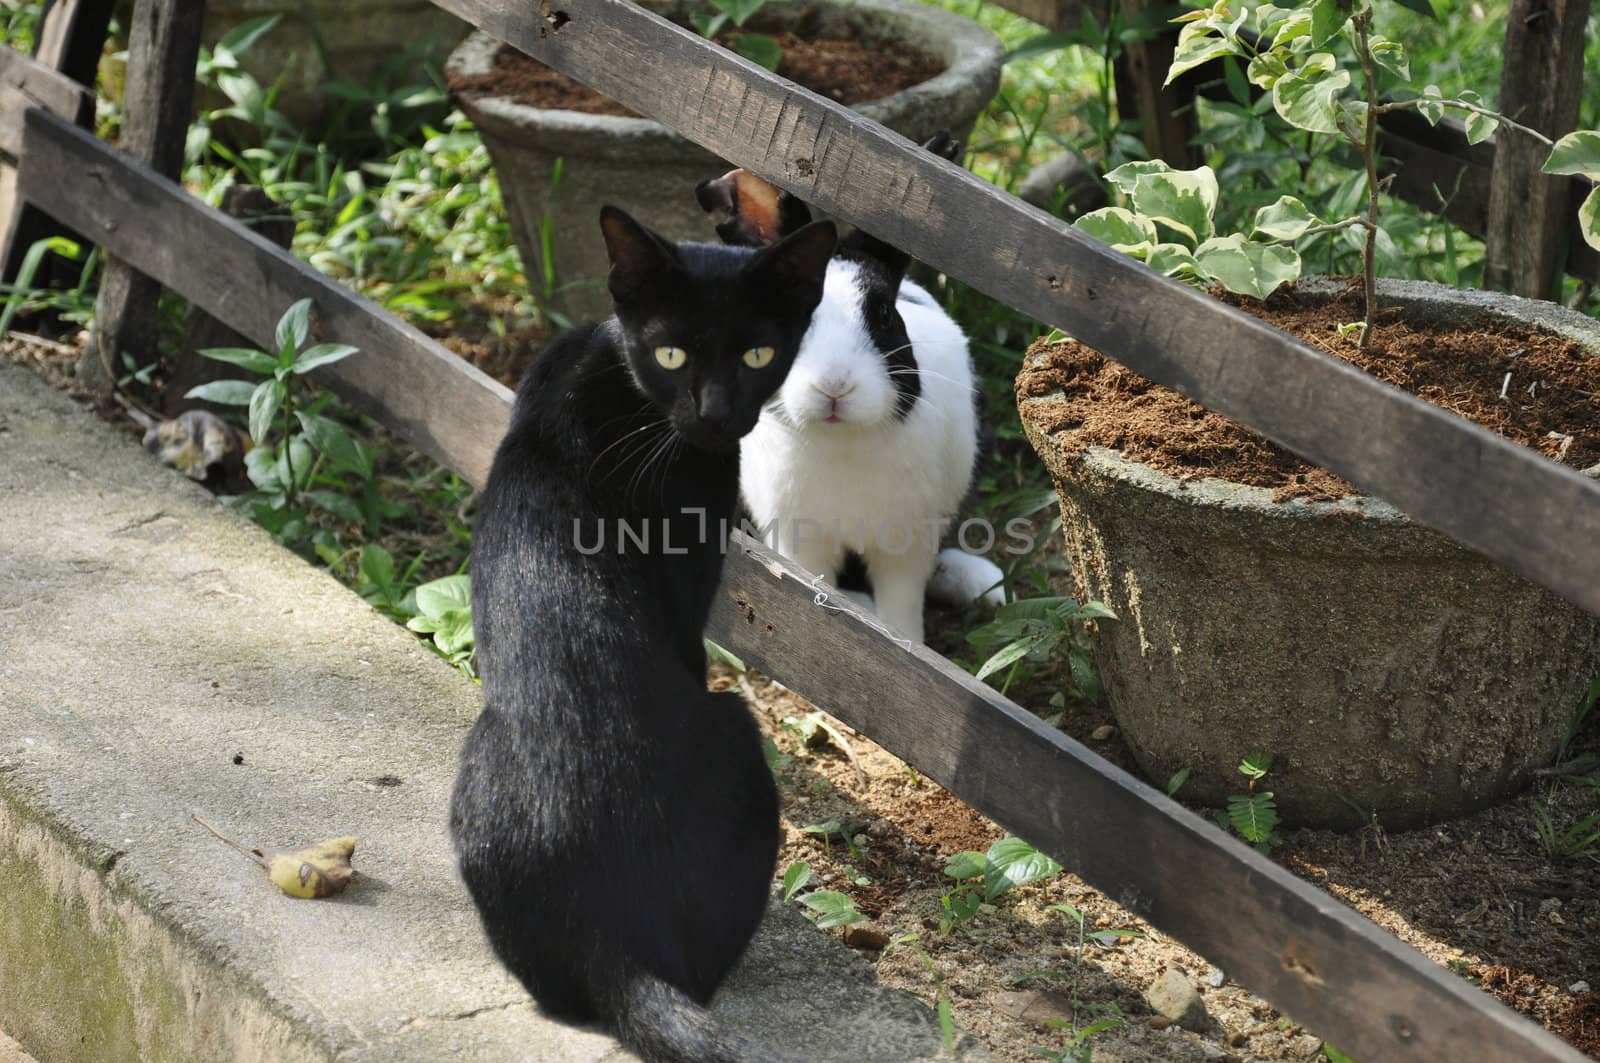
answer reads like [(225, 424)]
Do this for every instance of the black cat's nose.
[(715, 405)]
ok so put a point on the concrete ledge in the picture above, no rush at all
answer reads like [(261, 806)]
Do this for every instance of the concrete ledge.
[(147, 636)]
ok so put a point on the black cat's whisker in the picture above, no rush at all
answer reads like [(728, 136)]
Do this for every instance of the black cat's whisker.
[(625, 437), (659, 445)]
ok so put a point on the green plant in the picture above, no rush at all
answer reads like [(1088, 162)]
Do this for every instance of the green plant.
[(756, 47), (1024, 634), (444, 610), (1077, 1048), (1579, 153), (75, 304), (1578, 840), (1306, 58), (826, 908), (981, 877), (1254, 815), (303, 460), (1168, 224)]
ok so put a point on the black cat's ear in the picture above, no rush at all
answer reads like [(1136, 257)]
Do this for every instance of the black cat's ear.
[(797, 264), (755, 212), (638, 256)]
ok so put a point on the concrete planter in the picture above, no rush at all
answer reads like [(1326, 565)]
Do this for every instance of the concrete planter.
[(1388, 671), (359, 38), (651, 171)]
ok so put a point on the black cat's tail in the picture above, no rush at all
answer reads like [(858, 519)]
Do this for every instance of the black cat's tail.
[(662, 1024)]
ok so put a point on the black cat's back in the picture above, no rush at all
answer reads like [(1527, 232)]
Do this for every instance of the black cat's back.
[(615, 822)]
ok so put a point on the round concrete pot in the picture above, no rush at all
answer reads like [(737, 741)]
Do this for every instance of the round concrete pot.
[(360, 39), (1389, 672), (651, 171)]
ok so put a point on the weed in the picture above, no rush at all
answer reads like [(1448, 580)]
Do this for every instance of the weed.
[(826, 908), (756, 47), (1253, 815), (981, 877), (1025, 634), (942, 1006)]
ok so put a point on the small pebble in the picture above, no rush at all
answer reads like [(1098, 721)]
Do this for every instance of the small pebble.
[(1103, 732), (1215, 977), (1578, 987)]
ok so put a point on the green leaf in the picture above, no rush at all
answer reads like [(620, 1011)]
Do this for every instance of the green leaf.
[(1197, 46), (1172, 260), (708, 24), (1589, 219), (1175, 783), (1390, 55), (738, 10), (1575, 153), (442, 595), (1431, 106), (1333, 1055), (1042, 44), (1124, 177), (377, 568), (832, 907), (1291, 28), (1094, 610), (1287, 219), (1182, 201), (795, 879), (294, 327), (1327, 19), (261, 465), (1421, 7), (454, 633), (759, 49), (241, 37), (330, 438), (1256, 765), (965, 865), (719, 653), (1246, 267), (1006, 656), (1480, 127), (1117, 226), (223, 392), (1304, 96), (320, 355), (298, 451), (1265, 69), (264, 403), (342, 506), (1253, 816), (1013, 862), (244, 357)]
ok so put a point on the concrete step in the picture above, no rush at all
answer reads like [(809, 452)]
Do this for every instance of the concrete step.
[(160, 657)]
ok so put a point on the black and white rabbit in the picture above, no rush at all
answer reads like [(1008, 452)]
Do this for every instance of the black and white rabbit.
[(868, 447)]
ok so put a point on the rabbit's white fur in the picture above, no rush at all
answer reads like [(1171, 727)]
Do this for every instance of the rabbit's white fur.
[(866, 480)]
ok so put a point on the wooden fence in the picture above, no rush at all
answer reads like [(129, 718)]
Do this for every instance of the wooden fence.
[(1296, 946)]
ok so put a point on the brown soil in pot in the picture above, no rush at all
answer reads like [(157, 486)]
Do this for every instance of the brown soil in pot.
[(839, 68), (1552, 401)]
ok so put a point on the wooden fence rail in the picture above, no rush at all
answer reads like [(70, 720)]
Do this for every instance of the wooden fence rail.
[(1540, 519), (1293, 944)]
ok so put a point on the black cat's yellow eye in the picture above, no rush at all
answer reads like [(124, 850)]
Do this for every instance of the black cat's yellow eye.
[(671, 357), (759, 357)]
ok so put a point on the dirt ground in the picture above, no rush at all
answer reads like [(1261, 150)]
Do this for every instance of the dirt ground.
[(1478, 895)]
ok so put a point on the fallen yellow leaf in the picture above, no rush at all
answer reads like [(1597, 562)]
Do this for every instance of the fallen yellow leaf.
[(319, 870)]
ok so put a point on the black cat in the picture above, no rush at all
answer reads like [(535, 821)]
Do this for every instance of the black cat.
[(615, 822)]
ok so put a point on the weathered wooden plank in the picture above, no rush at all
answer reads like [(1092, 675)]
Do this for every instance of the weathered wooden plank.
[(66, 50), (1296, 946), (26, 82), (1315, 959), (1529, 213), (163, 45), (1540, 519), (440, 403)]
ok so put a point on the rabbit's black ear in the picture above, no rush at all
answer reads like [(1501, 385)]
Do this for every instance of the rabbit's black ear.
[(755, 213)]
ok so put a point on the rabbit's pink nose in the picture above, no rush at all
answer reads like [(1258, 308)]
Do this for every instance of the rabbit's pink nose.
[(834, 389)]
